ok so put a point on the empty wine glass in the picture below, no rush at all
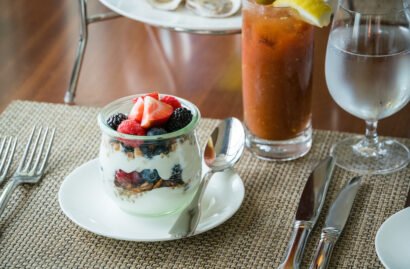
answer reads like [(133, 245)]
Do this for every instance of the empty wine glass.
[(368, 75)]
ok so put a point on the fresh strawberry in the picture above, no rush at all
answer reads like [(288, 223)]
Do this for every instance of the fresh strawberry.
[(137, 110), (154, 95), (171, 101), (156, 113), (133, 128)]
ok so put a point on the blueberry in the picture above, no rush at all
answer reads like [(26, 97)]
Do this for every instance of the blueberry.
[(161, 149), (150, 175), (156, 131), (151, 150), (127, 148), (147, 150)]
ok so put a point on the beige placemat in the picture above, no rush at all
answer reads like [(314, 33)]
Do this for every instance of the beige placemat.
[(35, 233)]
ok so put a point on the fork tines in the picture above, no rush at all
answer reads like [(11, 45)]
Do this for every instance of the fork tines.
[(25, 165), (7, 146)]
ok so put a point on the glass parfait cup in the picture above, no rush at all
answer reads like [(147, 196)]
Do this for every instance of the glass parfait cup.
[(149, 175), (277, 58)]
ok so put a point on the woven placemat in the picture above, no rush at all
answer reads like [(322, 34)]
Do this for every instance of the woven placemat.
[(34, 232)]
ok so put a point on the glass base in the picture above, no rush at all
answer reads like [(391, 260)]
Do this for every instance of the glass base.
[(354, 155), (280, 150)]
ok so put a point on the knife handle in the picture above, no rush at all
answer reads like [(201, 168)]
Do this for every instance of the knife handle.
[(297, 244), (324, 251)]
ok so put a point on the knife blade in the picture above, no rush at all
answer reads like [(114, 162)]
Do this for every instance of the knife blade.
[(407, 204), (335, 222), (310, 204)]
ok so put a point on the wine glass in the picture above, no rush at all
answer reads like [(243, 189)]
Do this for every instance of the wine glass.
[(368, 75)]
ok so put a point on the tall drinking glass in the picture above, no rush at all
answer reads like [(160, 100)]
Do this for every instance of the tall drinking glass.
[(368, 75), (277, 57)]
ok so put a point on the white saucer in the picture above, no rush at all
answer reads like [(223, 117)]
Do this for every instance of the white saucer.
[(84, 201), (180, 20), (393, 241)]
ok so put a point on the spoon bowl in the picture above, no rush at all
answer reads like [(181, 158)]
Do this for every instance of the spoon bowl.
[(225, 145)]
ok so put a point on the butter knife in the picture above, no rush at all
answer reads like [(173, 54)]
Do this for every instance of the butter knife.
[(407, 204), (335, 222), (310, 204)]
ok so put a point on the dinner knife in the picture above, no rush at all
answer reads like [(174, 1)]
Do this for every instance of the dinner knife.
[(310, 204), (407, 204), (335, 222)]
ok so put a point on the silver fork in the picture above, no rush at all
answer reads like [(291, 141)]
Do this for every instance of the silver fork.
[(6, 154), (30, 173)]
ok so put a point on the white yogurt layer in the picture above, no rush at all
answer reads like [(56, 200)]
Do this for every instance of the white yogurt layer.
[(186, 154), (156, 201)]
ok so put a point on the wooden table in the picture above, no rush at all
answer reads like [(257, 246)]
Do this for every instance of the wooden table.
[(38, 43)]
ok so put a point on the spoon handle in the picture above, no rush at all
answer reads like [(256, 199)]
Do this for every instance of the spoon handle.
[(188, 220), (197, 202)]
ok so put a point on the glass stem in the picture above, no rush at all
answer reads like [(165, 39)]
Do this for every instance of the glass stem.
[(371, 140), (371, 131)]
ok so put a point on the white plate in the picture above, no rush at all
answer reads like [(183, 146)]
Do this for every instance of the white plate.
[(180, 20), (84, 201), (393, 241)]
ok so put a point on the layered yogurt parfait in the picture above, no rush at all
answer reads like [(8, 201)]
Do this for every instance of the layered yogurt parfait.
[(149, 155)]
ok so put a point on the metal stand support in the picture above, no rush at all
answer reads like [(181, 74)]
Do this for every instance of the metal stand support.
[(85, 21)]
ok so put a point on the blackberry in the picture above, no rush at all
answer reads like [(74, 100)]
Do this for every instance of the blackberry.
[(115, 120), (180, 118), (150, 175), (177, 174), (156, 131)]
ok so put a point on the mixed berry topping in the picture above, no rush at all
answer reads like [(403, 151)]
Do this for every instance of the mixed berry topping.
[(152, 116)]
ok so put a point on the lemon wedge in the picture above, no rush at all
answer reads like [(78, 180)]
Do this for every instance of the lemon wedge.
[(315, 12)]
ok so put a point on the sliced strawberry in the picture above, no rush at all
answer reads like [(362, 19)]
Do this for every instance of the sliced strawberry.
[(156, 113), (154, 95), (133, 128), (171, 101), (137, 110)]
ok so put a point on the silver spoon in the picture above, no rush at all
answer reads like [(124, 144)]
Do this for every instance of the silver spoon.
[(222, 151)]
